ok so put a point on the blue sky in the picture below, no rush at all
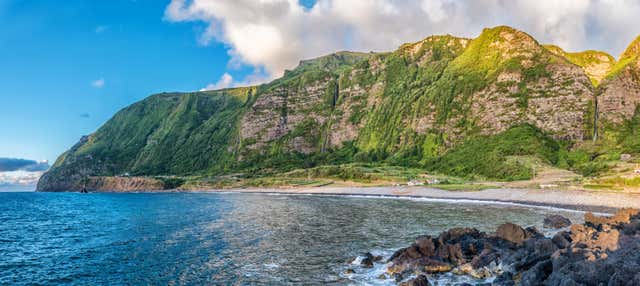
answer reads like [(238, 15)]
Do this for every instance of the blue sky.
[(51, 53), (67, 66)]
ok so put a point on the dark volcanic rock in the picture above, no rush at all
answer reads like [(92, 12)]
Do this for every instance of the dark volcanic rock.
[(369, 259), (602, 251), (556, 221)]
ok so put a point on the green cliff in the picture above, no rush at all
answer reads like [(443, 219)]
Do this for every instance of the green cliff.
[(445, 104)]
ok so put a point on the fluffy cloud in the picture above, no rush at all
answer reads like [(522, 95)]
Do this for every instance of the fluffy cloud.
[(98, 83), (273, 35), (17, 173), (224, 82)]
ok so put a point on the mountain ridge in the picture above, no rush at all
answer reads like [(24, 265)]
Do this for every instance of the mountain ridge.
[(411, 106)]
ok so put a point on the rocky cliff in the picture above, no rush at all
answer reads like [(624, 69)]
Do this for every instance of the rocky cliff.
[(410, 106)]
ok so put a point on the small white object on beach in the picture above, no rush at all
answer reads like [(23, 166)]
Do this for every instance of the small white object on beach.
[(548, 186)]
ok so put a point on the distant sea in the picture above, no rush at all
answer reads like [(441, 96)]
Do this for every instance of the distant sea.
[(17, 188), (221, 239)]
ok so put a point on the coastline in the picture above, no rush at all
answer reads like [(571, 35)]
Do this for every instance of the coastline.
[(566, 199)]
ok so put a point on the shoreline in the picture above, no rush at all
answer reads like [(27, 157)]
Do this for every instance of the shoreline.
[(584, 201), (577, 200)]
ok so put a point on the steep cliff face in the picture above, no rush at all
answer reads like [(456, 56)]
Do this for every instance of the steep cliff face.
[(596, 64), (411, 105), (619, 96)]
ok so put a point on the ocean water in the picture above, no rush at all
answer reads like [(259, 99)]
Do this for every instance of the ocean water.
[(222, 239)]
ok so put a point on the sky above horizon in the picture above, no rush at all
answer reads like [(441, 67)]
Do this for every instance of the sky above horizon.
[(67, 66)]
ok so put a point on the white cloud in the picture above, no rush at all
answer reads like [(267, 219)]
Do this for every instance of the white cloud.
[(23, 178), (224, 82), (98, 83), (273, 35)]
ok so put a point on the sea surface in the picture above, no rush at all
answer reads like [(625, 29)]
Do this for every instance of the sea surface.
[(223, 238)]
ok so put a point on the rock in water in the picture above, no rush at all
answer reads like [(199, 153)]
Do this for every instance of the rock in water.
[(421, 280), (556, 221), (367, 261)]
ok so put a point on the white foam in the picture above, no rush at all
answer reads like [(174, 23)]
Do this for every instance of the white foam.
[(440, 200)]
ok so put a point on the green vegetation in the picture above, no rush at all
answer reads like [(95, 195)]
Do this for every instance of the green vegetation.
[(396, 115), (486, 156), (586, 59), (164, 134)]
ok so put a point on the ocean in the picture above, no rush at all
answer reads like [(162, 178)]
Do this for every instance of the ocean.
[(223, 238)]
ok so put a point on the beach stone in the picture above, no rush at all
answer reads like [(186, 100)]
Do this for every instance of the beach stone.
[(556, 221)]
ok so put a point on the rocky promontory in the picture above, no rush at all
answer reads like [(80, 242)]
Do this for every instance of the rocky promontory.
[(601, 251)]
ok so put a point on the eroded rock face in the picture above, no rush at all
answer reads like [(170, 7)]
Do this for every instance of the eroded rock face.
[(620, 96), (279, 112), (603, 251)]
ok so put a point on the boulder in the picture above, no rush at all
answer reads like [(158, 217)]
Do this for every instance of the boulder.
[(511, 232), (556, 221)]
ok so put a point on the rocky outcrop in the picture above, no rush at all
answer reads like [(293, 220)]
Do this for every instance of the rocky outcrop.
[(620, 95), (602, 251)]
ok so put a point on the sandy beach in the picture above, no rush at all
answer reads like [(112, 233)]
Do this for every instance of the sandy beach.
[(571, 199)]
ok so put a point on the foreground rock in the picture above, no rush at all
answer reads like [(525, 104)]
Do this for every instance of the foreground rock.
[(602, 251)]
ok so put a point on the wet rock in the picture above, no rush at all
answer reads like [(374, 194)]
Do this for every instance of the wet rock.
[(349, 271), (562, 239), (421, 280), (537, 274), (382, 277), (504, 279), (623, 216), (556, 221), (401, 275), (367, 262), (435, 266), (369, 259)]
